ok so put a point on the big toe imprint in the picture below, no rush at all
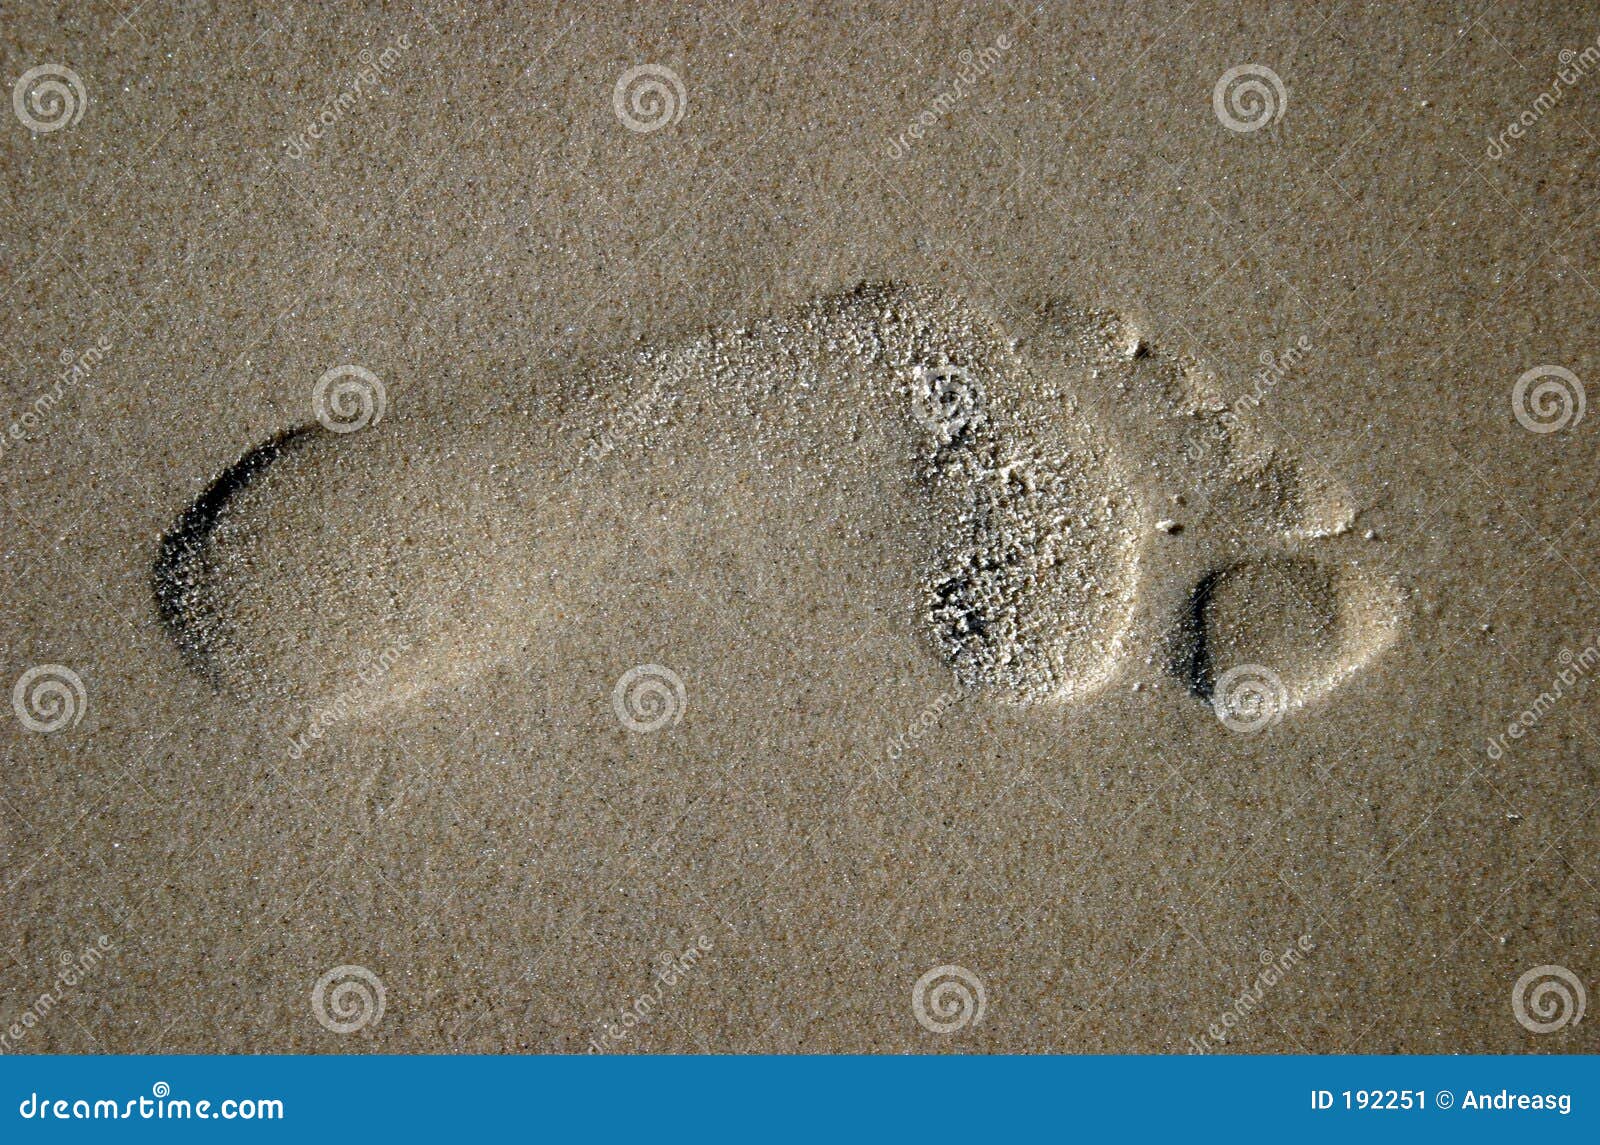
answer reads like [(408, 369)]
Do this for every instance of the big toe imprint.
[(892, 434), (1269, 633)]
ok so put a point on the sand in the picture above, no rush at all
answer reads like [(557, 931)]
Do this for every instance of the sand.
[(721, 531)]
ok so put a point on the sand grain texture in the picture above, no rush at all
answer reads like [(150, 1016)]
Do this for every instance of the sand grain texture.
[(1083, 544)]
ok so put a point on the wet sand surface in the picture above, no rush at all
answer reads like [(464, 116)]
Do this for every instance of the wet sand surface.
[(965, 529)]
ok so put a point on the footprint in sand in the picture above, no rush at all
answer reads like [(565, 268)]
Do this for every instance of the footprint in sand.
[(993, 490), (1256, 612)]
